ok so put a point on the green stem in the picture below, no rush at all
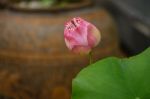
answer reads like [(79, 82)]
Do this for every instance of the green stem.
[(90, 57)]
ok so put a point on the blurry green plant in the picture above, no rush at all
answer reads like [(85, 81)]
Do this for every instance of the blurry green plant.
[(114, 78), (58, 2), (45, 3)]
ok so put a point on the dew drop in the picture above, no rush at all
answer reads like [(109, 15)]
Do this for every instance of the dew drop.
[(137, 98)]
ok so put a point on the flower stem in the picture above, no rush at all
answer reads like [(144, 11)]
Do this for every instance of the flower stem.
[(90, 57)]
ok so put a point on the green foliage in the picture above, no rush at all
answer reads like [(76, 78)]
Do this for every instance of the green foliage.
[(114, 78), (58, 1), (46, 3)]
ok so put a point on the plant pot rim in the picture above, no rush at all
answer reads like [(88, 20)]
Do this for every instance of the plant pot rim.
[(71, 6)]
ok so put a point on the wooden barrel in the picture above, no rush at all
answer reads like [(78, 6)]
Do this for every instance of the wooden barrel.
[(34, 60)]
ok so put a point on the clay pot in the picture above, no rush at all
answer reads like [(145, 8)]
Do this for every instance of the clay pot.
[(34, 60)]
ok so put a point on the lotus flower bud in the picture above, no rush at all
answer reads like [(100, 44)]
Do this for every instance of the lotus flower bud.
[(81, 36)]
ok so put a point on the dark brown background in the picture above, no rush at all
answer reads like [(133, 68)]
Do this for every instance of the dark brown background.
[(34, 60)]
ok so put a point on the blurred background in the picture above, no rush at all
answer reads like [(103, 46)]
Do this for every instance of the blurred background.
[(34, 60)]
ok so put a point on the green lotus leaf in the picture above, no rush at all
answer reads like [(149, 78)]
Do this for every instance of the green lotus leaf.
[(114, 78)]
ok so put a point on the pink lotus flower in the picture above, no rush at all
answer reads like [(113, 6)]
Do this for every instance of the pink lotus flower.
[(81, 36)]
